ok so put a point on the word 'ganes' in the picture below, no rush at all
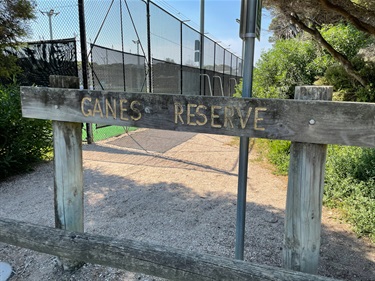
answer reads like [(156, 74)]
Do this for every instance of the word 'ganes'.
[(113, 108), (200, 115)]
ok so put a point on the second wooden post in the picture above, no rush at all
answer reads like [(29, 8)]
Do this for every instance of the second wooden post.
[(305, 195)]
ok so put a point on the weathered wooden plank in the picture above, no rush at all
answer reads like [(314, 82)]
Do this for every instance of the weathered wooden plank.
[(68, 182), (303, 217), (136, 256), (301, 121), (68, 178)]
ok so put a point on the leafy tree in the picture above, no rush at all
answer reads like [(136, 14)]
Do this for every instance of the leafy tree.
[(349, 41), (345, 38), (14, 18), (288, 64), (310, 15)]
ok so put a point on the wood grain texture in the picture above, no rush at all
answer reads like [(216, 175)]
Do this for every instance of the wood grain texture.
[(68, 178), (68, 182), (304, 197), (137, 256), (296, 120)]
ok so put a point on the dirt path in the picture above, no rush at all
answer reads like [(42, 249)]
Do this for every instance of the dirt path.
[(184, 197)]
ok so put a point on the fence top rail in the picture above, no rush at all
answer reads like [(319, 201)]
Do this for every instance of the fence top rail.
[(137, 256), (321, 122)]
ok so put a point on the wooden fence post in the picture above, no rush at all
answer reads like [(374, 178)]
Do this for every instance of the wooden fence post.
[(304, 195), (68, 184)]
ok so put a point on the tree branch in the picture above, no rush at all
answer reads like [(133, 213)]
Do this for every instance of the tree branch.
[(359, 24), (337, 55)]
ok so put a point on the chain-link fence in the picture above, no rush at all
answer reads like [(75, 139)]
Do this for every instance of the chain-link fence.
[(137, 46), (41, 59)]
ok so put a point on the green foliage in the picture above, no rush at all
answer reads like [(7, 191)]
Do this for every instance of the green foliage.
[(350, 171), (350, 186), (276, 152), (301, 61), (238, 90), (22, 141), (279, 155), (8, 66), (14, 18), (288, 64), (345, 39), (349, 180), (349, 41)]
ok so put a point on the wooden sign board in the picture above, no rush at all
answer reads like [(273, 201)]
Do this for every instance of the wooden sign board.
[(295, 120)]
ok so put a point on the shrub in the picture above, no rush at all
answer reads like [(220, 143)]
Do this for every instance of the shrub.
[(349, 181), (22, 141), (350, 186), (279, 155)]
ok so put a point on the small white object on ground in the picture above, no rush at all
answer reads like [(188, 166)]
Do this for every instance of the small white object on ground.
[(5, 271)]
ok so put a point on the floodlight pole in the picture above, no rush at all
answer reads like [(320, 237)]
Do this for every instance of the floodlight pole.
[(50, 14), (137, 42), (247, 33), (201, 47), (202, 34)]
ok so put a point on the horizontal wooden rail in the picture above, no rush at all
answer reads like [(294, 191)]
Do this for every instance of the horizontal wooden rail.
[(295, 120), (138, 256)]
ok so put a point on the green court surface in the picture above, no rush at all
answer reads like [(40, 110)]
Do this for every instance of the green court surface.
[(106, 132)]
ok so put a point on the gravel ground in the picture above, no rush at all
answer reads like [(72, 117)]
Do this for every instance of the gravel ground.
[(183, 197)]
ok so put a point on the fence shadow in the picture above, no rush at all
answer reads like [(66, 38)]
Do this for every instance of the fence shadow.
[(174, 215)]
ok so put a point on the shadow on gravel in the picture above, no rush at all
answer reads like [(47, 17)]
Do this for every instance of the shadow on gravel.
[(167, 213), (176, 216), (120, 157), (152, 140)]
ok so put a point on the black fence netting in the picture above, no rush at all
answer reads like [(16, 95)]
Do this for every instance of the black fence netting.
[(39, 60), (121, 71), (166, 77), (116, 70), (191, 80), (131, 41)]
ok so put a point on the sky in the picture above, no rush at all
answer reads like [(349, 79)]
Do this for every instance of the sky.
[(220, 23)]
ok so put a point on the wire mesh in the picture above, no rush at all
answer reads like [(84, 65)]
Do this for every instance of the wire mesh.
[(137, 46), (165, 35), (39, 60), (122, 25), (227, 63), (209, 54), (116, 70), (190, 80), (190, 46), (166, 77)]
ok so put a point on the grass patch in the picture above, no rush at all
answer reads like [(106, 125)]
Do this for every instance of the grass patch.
[(103, 133)]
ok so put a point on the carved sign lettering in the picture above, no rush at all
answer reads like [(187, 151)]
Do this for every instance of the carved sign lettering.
[(295, 120)]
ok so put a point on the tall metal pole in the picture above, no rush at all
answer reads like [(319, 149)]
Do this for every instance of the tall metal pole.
[(149, 56), (201, 51), (50, 14), (247, 33), (202, 34), (82, 35), (50, 26)]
